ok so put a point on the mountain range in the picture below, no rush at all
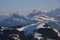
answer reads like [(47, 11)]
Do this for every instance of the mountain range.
[(41, 25), (16, 20)]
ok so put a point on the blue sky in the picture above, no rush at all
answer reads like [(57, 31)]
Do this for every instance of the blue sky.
[(14, 5)]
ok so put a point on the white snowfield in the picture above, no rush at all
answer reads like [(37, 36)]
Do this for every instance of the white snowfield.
[(38, 36), (45, 18), (57, 31)]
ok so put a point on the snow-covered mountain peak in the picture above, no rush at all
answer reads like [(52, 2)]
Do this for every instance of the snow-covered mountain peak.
[(16, 20)]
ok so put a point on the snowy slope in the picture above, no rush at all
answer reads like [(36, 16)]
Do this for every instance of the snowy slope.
[(32, 30)]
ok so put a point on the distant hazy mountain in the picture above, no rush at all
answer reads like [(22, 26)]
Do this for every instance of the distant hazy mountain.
[(15, 20), (35, 13), (52, 17), (2, 17)]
